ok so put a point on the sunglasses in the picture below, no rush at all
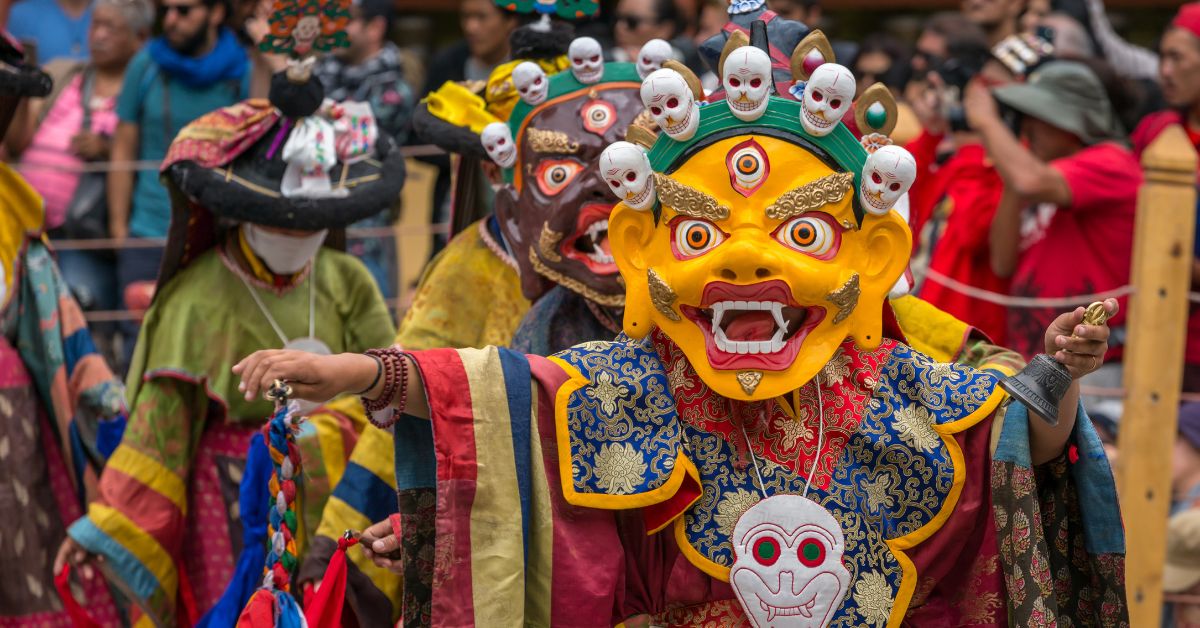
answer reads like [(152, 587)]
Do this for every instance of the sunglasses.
[(182, 9), (632, 22)]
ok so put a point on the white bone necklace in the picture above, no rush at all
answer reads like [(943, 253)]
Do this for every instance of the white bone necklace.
[(310, 343), (796, 465), (787, 569)]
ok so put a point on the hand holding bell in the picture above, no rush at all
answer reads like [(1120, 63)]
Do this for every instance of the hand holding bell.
[(1077, 341)]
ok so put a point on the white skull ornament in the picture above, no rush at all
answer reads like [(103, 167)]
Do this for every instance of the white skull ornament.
[(887, 175), (531, 82), (747, 82), (671, 103), (587, 60), (651, 56), (827, 96), (626, 169), (497, 140), (787, 570)]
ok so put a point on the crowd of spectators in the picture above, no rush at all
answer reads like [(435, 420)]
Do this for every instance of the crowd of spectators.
[(1027, 119)]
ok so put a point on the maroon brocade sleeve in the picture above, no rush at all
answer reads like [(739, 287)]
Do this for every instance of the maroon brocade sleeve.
[(960, 582)]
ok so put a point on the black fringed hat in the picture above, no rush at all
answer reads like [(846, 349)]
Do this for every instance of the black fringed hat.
[(294, 161)]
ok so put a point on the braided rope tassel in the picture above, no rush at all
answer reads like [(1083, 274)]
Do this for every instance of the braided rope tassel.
[(273, 606), (280, 435)]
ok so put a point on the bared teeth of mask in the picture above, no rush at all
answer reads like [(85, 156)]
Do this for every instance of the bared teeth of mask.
[(718, 312), (777, 312), (771, 610)]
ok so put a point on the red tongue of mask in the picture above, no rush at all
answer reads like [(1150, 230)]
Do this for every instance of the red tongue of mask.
[(751, 326), (604, 246)]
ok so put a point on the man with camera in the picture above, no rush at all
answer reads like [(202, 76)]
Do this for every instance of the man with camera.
[(957, 188), (1064, 225)]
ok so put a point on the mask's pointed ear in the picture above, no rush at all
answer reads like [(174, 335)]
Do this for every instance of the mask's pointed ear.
[(689, 77), (736, 40), (812, 51), (630, 232), (889, 242), (875, 111)]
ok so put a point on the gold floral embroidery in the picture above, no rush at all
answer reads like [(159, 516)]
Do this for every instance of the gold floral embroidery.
[(548, 141), (606, 391), (873, 596), (939, 372), (574, 285), (661, 295), (548, 243), (878, 491), (812, 195), (845, 298), (915, 426), (793, 431), (731, 508), (689, 201), (838, 368), (619, 468)]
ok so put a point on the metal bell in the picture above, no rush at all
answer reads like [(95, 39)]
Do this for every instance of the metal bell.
[(1041, 386)]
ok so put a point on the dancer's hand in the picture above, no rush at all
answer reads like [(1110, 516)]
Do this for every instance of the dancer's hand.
[(71, 552), (382, 546), (312, 377), (1077, 346)]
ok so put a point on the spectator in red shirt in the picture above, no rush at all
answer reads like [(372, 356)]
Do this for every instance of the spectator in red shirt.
[(962, 187), (1179, 76), (1064, 226)]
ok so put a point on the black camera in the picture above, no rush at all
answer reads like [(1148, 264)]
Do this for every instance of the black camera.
[(965, 60)]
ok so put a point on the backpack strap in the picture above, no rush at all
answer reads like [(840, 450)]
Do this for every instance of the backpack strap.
[(61, 75)]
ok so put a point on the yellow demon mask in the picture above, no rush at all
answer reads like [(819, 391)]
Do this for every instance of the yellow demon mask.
[(759, 245)]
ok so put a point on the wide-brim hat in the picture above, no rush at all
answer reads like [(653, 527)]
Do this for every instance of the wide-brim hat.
[(228, 167), (1182, 569), (1068, 96)]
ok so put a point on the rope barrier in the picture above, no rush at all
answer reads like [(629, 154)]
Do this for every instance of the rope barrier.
[(362, 233), (424, 150), (1024, 302), (1032, 302), (1119, 393)]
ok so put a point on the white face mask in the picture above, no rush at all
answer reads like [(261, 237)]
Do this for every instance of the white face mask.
[(283, 254)]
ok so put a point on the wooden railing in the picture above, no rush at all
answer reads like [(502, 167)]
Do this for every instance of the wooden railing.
[(1161, 275)]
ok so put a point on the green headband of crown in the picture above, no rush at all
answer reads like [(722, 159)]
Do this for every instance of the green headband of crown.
[(717, 122), (564, 85)]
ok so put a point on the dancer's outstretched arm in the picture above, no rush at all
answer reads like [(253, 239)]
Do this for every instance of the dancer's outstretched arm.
[(322, 377)]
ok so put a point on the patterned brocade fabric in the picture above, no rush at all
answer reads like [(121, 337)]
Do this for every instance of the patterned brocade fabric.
[(886, 470)]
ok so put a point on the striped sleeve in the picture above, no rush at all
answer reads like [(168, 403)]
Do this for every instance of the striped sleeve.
[(137, 524)]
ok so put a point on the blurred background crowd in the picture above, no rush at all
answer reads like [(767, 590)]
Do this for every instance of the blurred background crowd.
[(1028, 119)]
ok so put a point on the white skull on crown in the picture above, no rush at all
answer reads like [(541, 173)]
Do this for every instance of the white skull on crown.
[(887, 175), (747, 82), (497, 140), (827, 96), (626, 169), (787, 570), (651, 56), (587, 60), (671, 103), (531, 82)]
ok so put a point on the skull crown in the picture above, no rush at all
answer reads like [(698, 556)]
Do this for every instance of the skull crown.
[(671, 103), (651, 56), (626, 169), (887, 175), (747, 82), (497, 140), (827, 96), (587, 60), (531, 82)]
